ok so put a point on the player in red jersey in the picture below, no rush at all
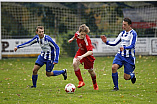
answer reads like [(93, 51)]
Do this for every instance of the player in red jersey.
[(84, 55)]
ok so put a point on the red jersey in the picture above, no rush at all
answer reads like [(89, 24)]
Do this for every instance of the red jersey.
[(84, 46)]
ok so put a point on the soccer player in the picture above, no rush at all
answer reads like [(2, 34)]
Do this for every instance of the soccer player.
[(126, 53), (84, 55), (49, 55)]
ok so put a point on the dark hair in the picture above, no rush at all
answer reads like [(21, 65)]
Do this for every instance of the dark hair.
[(128, 20), (39, 27)]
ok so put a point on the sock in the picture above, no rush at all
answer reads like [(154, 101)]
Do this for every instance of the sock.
[(78, 74), (57, 72), (34, 79), (132, 75), (115, 79), (93, 79)]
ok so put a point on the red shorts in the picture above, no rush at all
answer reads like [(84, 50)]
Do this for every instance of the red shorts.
[(88, 61)]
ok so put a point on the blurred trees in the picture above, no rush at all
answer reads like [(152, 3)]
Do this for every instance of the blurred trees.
[(21, 18)]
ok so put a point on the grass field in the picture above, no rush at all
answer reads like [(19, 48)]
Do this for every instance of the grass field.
[(15, 78)]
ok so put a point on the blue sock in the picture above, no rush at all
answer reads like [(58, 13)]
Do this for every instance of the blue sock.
[(34, 79), (57, 72), (115, 79), (132, 75)]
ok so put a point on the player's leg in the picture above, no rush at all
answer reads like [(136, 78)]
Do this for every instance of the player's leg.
[(35, 75), (78, 72), (38, 64), (117, 63), (129, 72), (58, 72), (88, 64), (133, 77), (93, 76), (49, 72), (115, 76)]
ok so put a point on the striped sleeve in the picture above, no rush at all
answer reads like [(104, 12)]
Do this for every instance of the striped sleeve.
[(30, 42), (133, 41), (116, 41), (56, 49)]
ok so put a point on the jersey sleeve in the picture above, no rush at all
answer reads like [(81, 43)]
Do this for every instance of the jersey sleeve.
[(76, 34), (56, 49), (133, 41), (116, 41), (88, 43), (30, 42)]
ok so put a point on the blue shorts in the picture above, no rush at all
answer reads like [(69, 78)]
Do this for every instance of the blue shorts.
[(128, 62), (41, 61)]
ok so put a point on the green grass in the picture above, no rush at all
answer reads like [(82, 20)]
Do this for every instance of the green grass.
[(15, 77)]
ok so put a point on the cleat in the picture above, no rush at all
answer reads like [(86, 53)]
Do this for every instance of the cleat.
[(115, 89), (81, 83), (133, 80), (65, 74), (32, 86), (95, 86)]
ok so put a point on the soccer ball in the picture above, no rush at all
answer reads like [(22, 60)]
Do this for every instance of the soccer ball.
[(70, 88)]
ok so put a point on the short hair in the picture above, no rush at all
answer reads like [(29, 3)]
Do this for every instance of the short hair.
[(39, 27), (84, 28), (128, 20)]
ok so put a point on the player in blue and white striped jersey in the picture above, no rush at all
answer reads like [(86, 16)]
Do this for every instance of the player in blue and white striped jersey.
[(49, 55), (126, 53)]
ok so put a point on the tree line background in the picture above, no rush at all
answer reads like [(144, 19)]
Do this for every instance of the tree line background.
[(61, 20)]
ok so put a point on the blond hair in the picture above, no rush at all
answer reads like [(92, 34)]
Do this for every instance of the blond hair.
[(84, 28)]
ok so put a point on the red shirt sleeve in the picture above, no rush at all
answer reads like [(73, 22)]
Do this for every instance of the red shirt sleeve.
[(88, 43), (76, 34)]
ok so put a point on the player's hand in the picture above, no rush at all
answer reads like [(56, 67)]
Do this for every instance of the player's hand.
[(103, 38), (70, 40), (15, 49), (54, 63), (121, 48), (78, 58)]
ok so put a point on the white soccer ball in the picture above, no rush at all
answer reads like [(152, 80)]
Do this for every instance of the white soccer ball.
[(70, 88)]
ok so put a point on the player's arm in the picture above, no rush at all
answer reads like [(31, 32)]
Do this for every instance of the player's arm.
[(111, 43), (56, 49), (89, 48), (70, 40), (15, 49), (103, 38), (133, 41), (87, 54), (84, 55), (26, 44)]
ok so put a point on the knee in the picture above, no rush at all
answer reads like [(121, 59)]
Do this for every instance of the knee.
[(75, 65), (48, 75), (126, 77), (114, 68), (92, 72), (35, 71)]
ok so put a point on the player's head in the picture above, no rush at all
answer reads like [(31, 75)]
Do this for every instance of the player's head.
[(40, 31), (83, 30), (128, 20), (127, 24)]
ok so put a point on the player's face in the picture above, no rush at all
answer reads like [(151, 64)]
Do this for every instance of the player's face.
[(40, 33), (82, 35), (126, 26)]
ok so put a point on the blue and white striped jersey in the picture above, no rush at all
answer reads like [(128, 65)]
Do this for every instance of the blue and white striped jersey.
[(50, 49), (128, 40)]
